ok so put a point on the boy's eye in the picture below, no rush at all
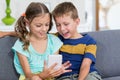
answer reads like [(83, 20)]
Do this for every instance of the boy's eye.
[(57, 25), (66, 24)]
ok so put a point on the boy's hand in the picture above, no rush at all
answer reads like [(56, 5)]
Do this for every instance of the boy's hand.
[(11, 33), (2, 34), (51, 72)]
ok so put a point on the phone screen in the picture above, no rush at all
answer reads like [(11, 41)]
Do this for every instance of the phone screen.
[(52, 59)]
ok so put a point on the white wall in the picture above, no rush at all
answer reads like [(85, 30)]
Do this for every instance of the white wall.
[(113, 17), (18, 7)]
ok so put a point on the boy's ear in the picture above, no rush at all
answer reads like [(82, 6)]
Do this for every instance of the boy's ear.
[(78, 21)]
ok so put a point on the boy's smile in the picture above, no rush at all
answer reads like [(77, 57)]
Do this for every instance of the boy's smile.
[(67, 27)]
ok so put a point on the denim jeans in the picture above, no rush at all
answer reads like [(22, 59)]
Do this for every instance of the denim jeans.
[(70, 77), (91, 76)]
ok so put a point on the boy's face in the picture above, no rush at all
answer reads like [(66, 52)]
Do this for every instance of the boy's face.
[(67, 27)]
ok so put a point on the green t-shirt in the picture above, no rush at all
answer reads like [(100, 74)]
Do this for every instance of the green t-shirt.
[(35, 59)]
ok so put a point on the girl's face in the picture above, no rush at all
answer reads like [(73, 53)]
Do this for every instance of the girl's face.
[(40, 26)]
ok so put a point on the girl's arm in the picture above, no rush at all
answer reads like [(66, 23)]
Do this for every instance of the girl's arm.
[(56, 52), (25, 66), (3, 34), (51, 72), (84, 70)]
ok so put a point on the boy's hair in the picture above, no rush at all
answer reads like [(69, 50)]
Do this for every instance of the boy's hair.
[(33, 10), (65, 8)]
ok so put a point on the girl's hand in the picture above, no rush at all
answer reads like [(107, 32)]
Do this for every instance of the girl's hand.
[(65, 66), (52, 72), (62, 69), (35, 78)]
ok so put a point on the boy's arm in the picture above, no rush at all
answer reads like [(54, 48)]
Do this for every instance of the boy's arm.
[(87, 61), (84, 70), (3, 34)]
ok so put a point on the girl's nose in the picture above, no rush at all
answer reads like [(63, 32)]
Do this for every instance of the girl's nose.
[(44, 28)]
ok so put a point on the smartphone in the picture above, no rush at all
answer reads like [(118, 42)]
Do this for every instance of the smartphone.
[(52, 59)]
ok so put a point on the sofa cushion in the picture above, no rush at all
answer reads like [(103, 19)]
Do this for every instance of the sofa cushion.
[(108, 52), (7, 70), (112, 78)]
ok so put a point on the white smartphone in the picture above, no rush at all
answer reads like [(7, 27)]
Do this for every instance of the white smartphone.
[(52, 59)]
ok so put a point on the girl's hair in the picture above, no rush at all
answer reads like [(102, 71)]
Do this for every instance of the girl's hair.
[(33, 10), (65, 8)]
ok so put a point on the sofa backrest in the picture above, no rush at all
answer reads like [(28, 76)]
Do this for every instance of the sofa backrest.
[(107, 63), (7, 70), (108, 52)]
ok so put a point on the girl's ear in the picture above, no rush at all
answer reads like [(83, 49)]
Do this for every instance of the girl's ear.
[(27, 22), (27, 25)]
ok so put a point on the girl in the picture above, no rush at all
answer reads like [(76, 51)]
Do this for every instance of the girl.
[(34, 44)]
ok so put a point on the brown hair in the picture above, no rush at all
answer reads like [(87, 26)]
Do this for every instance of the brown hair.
[(65, 8), (33, 10)]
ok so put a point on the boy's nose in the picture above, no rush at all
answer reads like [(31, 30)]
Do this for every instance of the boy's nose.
[(62, 28)]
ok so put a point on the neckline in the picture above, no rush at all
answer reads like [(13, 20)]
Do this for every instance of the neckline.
[(34, 51)]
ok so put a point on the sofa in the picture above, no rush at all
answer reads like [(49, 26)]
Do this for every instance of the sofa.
[(107, 63)]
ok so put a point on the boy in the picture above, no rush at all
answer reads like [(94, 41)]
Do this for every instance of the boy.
[(79, 49)]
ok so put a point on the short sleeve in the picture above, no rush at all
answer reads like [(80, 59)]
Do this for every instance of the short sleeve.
[(56, 43), (90, 51), (18, 47)]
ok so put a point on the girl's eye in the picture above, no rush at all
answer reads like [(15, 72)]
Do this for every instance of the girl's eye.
[(47, 24), (38, 25)]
